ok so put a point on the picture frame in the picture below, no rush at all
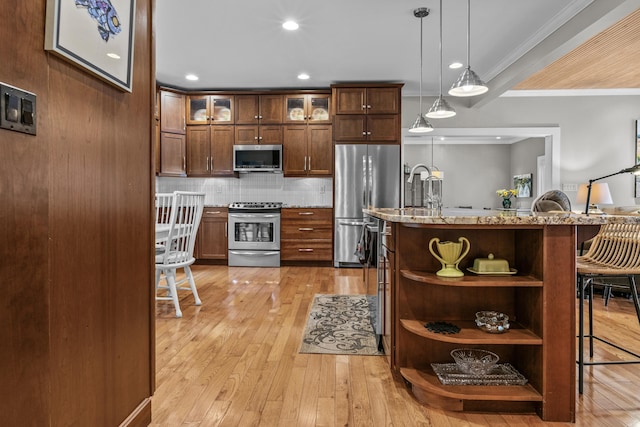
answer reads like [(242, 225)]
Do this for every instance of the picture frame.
[(637, 177), (523, 184), (96, 35)]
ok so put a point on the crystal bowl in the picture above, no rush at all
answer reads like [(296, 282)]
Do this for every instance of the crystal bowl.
[(493, 322), (474, 361)]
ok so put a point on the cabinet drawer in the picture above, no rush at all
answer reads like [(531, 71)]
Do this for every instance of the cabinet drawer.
[(307, 230), (301, 250), (214, 212), (309, 214)]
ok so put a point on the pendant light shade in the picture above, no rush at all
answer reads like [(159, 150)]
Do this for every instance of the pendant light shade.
[(468, 84), (421, 125), (441, 108)]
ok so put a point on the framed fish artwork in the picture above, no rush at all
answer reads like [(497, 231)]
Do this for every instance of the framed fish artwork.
[(94, 34)]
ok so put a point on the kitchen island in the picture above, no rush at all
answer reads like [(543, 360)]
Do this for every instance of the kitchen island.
[(538, 294)]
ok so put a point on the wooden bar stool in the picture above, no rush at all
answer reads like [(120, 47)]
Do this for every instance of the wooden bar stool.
[(614, 253)]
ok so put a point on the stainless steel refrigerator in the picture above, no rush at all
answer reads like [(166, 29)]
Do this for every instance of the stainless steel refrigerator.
[(365, 176)]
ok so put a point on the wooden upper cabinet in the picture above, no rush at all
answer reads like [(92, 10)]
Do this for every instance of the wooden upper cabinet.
[(258, 109), (172, 154), (367, 100), (210, 150), (210, 109), (172, 112), (267, 135), (308, 150), (307, 108)]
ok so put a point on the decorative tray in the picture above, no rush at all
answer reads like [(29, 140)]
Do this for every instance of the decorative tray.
[(502, 374)]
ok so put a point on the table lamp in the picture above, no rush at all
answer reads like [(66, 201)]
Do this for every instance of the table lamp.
[(635, 169), (600, 195)]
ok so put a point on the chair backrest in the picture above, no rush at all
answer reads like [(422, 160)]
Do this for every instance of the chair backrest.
[(163, 207), (185, 217), (616, 246), (554, 200)]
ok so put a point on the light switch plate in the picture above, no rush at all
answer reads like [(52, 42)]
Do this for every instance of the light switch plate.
[(17, 109), (569, 187)]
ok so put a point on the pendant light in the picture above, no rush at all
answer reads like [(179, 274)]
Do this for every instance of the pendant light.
[(421, 125), (441, 108), (468, 84)]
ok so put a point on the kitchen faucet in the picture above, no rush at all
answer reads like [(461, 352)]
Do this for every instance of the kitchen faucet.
[(413, 169), (429, 200)]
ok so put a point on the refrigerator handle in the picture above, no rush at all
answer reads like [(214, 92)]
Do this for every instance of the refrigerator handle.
[(371, 183), (364, 182)]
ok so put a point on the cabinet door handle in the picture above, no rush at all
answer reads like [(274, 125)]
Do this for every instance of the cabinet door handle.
[(309, 163), (260, 117), (211, 163), (225, 229), (368, 106), (368, 133), (260, 138), (305, 229), (305, 213), (305, 250), (364, 133), (364, 107), (255, 137), (305, 163), (207, 163), (255, 117), (184, 163)]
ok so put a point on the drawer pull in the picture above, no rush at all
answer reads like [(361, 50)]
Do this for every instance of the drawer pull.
[(214, 213), (305, 229), (305, 250), (305, 213)]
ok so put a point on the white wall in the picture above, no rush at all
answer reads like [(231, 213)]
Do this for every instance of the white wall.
[(597, 132), (473, 173)]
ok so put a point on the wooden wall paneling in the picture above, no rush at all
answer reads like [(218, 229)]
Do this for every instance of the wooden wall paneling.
[(76, 237), (24, 304)]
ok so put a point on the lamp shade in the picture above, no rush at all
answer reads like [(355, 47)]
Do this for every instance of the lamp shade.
[(600, 194)]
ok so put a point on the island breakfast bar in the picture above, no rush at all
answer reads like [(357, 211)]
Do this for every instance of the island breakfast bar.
[(538, 294)]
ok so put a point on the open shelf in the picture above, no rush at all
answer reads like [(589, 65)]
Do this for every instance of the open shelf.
[(470, 334), (428, 382), (476, 281)]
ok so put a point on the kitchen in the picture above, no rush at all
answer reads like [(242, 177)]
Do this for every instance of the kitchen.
[(78, 327)]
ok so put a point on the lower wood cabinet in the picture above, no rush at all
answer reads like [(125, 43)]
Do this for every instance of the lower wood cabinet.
[(212, 234), (306, 234)]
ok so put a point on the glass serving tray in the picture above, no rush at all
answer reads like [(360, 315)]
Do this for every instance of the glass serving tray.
[(502, 374)]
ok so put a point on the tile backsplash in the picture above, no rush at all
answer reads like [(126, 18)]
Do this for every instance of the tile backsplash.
[(255, 187)]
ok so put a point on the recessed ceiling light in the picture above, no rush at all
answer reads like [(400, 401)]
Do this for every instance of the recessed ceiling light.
[(303, 76), (455, 65), (290, 25), (191, 77), (498, 137), (113, 55)]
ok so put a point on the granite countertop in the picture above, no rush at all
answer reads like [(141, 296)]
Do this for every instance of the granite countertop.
[(494, 217)]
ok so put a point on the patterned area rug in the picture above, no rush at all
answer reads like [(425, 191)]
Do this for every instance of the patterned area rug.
[(340, 324)]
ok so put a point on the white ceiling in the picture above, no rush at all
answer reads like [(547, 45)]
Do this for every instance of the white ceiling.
[(240, 44)]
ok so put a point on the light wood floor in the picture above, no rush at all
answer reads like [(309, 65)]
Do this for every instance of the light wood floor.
[(234, 362)]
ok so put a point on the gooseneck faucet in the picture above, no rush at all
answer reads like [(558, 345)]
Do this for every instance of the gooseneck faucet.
[(433, 197), (413, 169)]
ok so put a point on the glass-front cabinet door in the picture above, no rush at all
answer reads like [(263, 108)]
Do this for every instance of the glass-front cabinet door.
[(318, 109), (197, 110), (302, 109), (209, 109), (222, 109)]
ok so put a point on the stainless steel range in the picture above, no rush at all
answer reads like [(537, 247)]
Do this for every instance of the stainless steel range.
[(254, 234)]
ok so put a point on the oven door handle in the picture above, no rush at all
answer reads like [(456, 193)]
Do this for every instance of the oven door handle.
[(259, 216), (271, 253)]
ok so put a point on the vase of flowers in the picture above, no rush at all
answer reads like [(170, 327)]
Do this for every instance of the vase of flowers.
[(506, 197)]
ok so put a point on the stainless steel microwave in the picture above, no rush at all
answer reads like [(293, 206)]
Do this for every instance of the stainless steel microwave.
[(257, 158)]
